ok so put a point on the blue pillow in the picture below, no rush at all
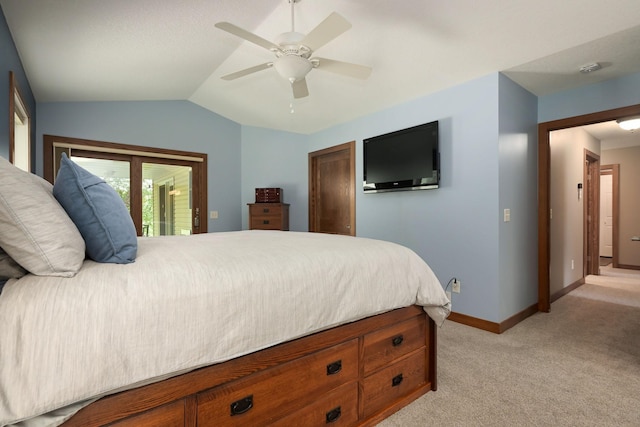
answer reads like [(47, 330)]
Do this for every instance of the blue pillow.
[(98, 212)]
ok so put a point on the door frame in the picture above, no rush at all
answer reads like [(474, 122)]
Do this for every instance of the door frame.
[(544, 187), (614, 171), (138, 153), (350, 147), (591, 214)]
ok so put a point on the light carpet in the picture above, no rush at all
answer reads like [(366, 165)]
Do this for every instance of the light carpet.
[(578, 365)]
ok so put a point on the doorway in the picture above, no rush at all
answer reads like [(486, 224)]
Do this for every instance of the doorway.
[(164, 190), (544, 185), (332, 198), (609, 205)]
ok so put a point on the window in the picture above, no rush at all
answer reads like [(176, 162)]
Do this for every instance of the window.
[(19, 128)]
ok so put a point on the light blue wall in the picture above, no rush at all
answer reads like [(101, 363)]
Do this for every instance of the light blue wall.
[(274, 159), (518, 242), (179, 125), (455, 227), (10, 61), (607, 95)]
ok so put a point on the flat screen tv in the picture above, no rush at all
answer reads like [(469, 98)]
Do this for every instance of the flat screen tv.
[(407, 159)]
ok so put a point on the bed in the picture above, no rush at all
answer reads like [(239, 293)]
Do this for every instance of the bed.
[(235, 328)]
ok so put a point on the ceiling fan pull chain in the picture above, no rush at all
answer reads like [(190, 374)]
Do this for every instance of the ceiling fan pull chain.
[(292, 110)]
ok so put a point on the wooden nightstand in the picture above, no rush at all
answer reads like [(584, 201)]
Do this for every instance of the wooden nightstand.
[(269, 216)]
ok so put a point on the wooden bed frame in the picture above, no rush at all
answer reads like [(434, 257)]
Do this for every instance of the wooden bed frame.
[(354, 374)]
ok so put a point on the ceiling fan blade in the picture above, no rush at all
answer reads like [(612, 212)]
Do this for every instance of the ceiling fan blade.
[(249, 36), (344, 68), (327, 30), (246, 71), (300, 89)]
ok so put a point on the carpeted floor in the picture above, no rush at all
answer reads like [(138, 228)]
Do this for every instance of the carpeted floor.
[(578, 365), (604, 261)]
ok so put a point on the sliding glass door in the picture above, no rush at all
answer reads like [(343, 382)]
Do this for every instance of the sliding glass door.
[(161, 193), (167, 205)]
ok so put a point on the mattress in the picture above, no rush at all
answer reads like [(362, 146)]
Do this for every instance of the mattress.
[(188, 302)]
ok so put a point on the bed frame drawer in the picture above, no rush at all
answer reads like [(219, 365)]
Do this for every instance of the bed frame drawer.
[(394, 382), (169, 415), (339, 408), (388, 344), (269, 395), (288, 383)]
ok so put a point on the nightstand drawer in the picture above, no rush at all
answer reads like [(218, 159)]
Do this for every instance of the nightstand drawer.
[(394, 382), (267, 209), (271, 394), (382, 347), (264, 222)]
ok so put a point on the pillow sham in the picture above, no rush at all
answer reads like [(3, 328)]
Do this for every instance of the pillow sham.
[(99, 213), (34, 229)]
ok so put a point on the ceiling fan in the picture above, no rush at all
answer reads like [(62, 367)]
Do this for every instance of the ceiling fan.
[(293, 52)]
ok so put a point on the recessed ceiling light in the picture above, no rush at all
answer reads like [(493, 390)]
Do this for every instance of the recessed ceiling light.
[(629, 123), (589, 68)]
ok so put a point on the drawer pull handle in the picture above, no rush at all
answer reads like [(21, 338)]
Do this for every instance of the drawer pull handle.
[(396, 380), (333, 415), (334, 368), (265, 221), (241, 406), (265, 210), (397, 340)]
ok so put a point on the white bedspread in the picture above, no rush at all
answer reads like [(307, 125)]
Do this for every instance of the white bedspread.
[(190, 301)]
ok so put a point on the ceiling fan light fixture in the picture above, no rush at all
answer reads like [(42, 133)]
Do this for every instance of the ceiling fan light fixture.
[(629, 123), (293, 52), (292, 67)]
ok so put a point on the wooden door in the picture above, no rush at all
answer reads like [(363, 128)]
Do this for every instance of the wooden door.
[(332, 190)]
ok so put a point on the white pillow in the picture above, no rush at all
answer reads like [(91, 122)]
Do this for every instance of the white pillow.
[(34, 229)]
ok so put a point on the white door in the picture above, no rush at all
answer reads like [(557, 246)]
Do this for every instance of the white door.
[(606, 215)]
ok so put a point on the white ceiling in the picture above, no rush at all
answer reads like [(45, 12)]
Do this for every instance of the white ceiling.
[(97, 50)]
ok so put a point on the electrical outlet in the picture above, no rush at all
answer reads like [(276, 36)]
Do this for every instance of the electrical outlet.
[(456, 286)]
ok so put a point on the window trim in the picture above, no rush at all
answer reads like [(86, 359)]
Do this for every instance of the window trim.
[(18, 106), (51, 142)]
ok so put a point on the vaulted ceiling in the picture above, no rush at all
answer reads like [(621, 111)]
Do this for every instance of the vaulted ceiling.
[(97, 50)]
